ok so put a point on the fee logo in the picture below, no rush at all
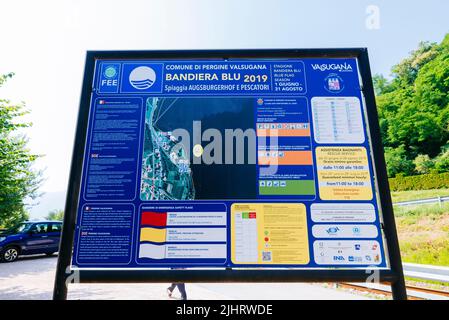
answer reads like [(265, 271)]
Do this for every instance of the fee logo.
[(109, 78), (110, 72)]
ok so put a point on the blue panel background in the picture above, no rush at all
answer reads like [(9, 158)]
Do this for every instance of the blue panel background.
[(312, 77)]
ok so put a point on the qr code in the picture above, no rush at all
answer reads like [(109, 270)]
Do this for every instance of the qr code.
[(266, 255)]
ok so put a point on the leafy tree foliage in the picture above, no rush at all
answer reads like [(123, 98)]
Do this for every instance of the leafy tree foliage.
[(18, 181), (56, 215), (442, 162), (397, 161), (423, 164), (414, 109)]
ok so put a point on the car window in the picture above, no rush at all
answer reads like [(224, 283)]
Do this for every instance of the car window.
[(23, 227), (56, 227), (40, 228)]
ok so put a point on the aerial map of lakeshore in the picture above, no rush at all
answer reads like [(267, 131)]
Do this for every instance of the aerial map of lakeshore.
[(167, 173)]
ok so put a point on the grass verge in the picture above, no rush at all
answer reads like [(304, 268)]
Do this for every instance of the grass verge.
[(423, 233), (398, 196)]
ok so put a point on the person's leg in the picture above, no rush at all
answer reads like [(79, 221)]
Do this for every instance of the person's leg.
[(170, 289), (182, 290)]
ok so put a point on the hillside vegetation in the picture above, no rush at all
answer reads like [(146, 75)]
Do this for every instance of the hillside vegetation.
[(414, 111)]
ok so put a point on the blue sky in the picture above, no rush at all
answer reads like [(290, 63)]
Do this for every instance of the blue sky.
[(44, 43)]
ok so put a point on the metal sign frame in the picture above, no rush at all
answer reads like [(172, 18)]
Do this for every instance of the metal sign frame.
[(393, 275)]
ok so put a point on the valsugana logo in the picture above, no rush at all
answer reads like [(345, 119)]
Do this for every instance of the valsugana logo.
[(333, 67), (142, 78)]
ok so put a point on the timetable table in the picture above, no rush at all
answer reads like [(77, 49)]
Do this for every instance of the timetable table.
[(246, 236), (337, 120)]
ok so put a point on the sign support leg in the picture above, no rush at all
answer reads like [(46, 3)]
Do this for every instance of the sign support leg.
[(60, 290), (398, 289)]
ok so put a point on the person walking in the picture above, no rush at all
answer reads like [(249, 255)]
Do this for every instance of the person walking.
[(181, 288)]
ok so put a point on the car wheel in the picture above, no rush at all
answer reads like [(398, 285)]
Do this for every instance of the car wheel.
[(10, 254)]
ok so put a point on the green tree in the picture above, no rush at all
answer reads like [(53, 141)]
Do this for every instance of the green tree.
[(406, 72), (57, 215), (414, 108), (381, 84), (423, 164), (442, 162), (18, 181), (397, 162)]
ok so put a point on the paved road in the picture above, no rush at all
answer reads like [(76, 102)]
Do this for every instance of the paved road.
[(32, 278)]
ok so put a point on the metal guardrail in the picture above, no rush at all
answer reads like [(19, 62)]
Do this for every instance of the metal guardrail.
[(426, 272), (416, 271), (422, 201)]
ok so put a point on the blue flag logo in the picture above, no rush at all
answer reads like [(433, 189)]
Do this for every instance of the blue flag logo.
[(142, 78)]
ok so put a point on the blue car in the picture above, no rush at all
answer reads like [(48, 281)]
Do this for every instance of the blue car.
[(30, 238)]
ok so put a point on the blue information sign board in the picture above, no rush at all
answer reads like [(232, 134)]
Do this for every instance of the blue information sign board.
[(228, 166), (228, 163)]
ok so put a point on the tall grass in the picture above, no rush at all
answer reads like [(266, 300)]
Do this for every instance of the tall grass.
[(422, 210), (424, 233)]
